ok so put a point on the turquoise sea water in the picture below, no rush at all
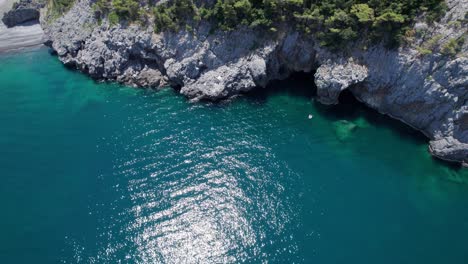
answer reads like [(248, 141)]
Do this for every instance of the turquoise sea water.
[(100, 173)]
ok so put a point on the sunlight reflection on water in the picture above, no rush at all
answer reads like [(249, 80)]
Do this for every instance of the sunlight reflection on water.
[(193, 199)]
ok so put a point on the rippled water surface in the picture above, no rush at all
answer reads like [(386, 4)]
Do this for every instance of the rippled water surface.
[(99, 173)]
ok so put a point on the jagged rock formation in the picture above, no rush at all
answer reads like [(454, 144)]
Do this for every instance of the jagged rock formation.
[(428, 92), (23, 11), (19, 37), (333, 77)]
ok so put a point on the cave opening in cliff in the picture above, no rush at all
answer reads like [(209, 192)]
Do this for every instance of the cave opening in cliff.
[(299, 84)]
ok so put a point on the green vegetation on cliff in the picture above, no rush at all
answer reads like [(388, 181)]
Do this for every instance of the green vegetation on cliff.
[(57, 7), (334, 23)]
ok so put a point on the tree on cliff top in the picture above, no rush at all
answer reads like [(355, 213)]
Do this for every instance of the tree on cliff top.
[(334, 22)]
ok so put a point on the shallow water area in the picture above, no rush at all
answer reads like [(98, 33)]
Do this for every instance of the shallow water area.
[(101, 173)]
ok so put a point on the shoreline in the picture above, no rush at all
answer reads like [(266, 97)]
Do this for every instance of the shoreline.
[(5, 5), (20, 37)]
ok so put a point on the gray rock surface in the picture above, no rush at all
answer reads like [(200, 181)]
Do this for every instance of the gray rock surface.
[(333, 77), (23, 11), (428, 92), (19, 37)]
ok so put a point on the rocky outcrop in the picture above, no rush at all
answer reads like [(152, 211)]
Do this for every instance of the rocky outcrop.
[(19, 37), (23, 11), (428, 92), (333, 77)]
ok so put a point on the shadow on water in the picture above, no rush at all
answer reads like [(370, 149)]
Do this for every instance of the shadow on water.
[(349, 108), (300, 84)]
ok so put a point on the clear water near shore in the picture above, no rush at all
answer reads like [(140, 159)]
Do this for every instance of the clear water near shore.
[(100, 173)]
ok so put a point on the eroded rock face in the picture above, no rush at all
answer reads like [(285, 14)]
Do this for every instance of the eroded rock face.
[(449, 148), (23, 11), (427, 92), (333, 77)]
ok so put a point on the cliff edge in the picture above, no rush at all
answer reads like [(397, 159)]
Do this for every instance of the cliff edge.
[(427, 90)]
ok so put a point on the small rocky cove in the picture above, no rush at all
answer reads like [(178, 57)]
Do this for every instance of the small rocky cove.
[(426, 91)]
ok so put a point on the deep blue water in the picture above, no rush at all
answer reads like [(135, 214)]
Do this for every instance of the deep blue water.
[(100, 173)]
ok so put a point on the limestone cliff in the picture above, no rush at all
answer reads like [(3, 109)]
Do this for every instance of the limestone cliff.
[(426, 91)]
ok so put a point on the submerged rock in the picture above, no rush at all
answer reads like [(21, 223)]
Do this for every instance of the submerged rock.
[(333, 77), (344, 129), (361, 122)]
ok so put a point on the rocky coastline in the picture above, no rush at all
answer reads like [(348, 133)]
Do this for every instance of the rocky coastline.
[(427, 91)]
